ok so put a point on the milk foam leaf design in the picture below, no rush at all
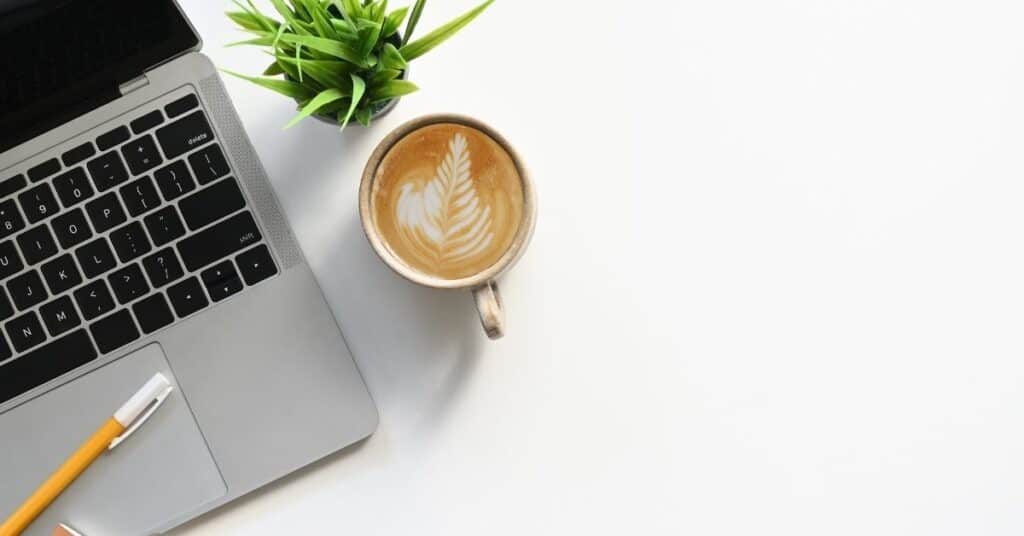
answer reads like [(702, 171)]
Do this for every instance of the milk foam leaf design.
[(445, 222)]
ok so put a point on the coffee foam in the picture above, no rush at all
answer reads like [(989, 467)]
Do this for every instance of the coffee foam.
[(447, 201)]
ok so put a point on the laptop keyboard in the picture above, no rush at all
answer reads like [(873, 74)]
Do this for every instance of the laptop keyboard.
[(117, 238)]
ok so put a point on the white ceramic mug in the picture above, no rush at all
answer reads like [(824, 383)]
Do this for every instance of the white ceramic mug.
[(483, 283)]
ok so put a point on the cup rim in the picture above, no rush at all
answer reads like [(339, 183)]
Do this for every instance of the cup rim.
[(512, 254)]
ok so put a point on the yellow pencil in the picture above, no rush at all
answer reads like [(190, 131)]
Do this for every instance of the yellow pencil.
[(124, 422)]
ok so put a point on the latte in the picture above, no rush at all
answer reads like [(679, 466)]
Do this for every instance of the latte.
[(447, 201)]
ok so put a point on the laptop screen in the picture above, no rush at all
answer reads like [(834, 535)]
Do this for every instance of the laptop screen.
[(64, 58)]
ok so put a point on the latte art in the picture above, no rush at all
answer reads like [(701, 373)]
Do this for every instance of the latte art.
[(447, 201)]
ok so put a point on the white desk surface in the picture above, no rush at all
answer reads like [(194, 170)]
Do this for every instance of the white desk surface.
[(777, 285)]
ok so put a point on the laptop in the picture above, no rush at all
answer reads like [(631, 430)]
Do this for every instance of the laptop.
[(139, 234)]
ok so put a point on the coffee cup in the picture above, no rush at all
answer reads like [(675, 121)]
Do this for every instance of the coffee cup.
[(447, 203)]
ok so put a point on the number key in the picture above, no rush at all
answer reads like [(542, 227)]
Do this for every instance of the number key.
[(73, 187), (10, 219), (38, 203)]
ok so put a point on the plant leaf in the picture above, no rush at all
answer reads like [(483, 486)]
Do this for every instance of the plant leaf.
[(324, 98), (327, 72), (391, 58), (246, 21), (287, 88), (363, 116), (264, 41), (393, 21), (327, 46), (358, 89), (421, 46), (273, 69), (289, 17), (382, 77), (369, 34), (393, 90), (414, 19)]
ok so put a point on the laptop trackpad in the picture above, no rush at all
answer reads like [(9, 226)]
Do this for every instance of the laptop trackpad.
[(162, 472)]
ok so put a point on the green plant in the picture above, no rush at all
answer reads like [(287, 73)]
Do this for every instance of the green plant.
[(340, 58)]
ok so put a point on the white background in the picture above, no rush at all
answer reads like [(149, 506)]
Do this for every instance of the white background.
[(777, 285)]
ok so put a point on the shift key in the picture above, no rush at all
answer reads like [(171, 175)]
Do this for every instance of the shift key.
[(229, 236), (183, 135)]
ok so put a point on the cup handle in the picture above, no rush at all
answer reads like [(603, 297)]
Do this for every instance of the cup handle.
[(491, 309)]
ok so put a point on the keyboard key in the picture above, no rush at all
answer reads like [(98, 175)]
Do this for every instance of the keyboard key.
[(140, 196), (181, 105), (164, 226), (96, 258), (185, 134), (107, 171), (10, 219), (10, 262), (45, 363), (38, 203), (147, 122), (106, 213), (61, 274), (129, 284), (114, 331), (215, 243), (209, 164), (60, 316), (222, 281), (73, 187), (141, 155), (44, 170), (71, 228), (130, 242), (163, 267), (211, 204), (12, 185), (153, 313), (115, 137), (6, 309), (174, 180), (25, 332), (26, 290), (187, 297), (78, 154), (94, 300), (37, 245), (256, 265)]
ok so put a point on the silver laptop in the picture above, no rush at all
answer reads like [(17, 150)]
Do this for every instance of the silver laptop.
[(139, 234)]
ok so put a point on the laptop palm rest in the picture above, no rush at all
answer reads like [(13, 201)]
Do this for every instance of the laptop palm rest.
[(164, 471)]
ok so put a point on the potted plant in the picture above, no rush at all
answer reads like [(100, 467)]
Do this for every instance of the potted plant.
[(341, 59)]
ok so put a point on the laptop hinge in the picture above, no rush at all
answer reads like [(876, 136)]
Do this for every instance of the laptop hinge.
[(134, 84)]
